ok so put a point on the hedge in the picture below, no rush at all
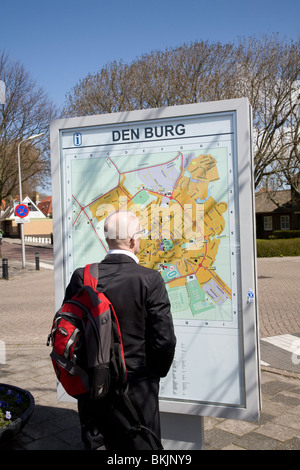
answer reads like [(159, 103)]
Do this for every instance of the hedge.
[(285, 234), (280, 247)]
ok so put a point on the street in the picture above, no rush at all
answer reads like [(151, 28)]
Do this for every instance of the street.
[(12, 250)]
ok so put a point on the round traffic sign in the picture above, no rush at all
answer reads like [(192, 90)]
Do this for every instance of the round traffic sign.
[(21, 211)]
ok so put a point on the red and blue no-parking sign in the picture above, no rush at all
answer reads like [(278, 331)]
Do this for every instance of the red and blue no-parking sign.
[(21, 210)]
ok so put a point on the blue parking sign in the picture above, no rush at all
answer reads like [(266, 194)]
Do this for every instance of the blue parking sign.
[(21, 211)]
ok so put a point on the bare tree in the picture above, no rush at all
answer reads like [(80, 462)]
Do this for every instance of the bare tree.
[(265, 70), (27, 111)]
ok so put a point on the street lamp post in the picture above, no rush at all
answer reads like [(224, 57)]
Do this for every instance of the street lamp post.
[(20, 191)]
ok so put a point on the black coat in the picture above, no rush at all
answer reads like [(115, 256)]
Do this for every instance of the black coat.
[(141, 303)]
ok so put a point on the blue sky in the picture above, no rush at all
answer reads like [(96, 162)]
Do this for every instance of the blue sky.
[(60, 41)]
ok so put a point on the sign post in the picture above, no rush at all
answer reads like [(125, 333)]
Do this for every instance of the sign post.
[(21, 216), (187, 172)]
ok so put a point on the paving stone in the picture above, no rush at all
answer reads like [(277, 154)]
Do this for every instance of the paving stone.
[(276, 431), (265, 418), (273, 408), (237, 427), (275, 387), (292, 444), (46, 443), (217, 439), (210, 422), (38, 431), (289, 419), (286, 400), (72, 437), (296, 410), (233, 447), (253, 441), (41, 414)]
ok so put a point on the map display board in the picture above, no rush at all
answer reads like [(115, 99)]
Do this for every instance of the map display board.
[(179, 170)]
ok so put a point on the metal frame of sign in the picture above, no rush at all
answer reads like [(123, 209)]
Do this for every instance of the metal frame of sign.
[(216, 367)]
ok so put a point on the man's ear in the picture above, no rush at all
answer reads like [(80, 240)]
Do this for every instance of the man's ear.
[(132, 243)]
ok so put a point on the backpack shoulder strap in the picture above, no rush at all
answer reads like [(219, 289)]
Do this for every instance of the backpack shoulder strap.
[(90, 275)]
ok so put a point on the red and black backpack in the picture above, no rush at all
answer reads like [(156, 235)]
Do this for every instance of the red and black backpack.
[(88, 357), (87, 349)]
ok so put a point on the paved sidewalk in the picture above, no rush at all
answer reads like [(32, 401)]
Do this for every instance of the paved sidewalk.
[(54, 425), (27, 307)]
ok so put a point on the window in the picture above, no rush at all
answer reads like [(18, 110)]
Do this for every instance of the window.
[(31, 207), (268, 223), (284, 222)]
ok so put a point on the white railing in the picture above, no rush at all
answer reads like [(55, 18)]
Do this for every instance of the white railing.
[(39, 240)]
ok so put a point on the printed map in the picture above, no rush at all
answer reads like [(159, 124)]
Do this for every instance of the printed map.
[(181, 202)]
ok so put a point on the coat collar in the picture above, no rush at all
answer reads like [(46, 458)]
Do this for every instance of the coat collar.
[(124, 252), (118, 258)]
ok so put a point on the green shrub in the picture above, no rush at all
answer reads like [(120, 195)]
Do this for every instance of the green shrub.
[(285, 234), (280, 247)]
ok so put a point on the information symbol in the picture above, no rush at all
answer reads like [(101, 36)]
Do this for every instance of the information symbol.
[(77, 139)]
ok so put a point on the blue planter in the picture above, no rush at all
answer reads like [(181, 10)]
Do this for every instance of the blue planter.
[(10, 430)]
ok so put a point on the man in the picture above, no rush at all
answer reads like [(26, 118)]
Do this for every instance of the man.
[(142, 306)]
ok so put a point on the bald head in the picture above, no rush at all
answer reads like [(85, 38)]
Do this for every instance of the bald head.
[(119, 228)]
